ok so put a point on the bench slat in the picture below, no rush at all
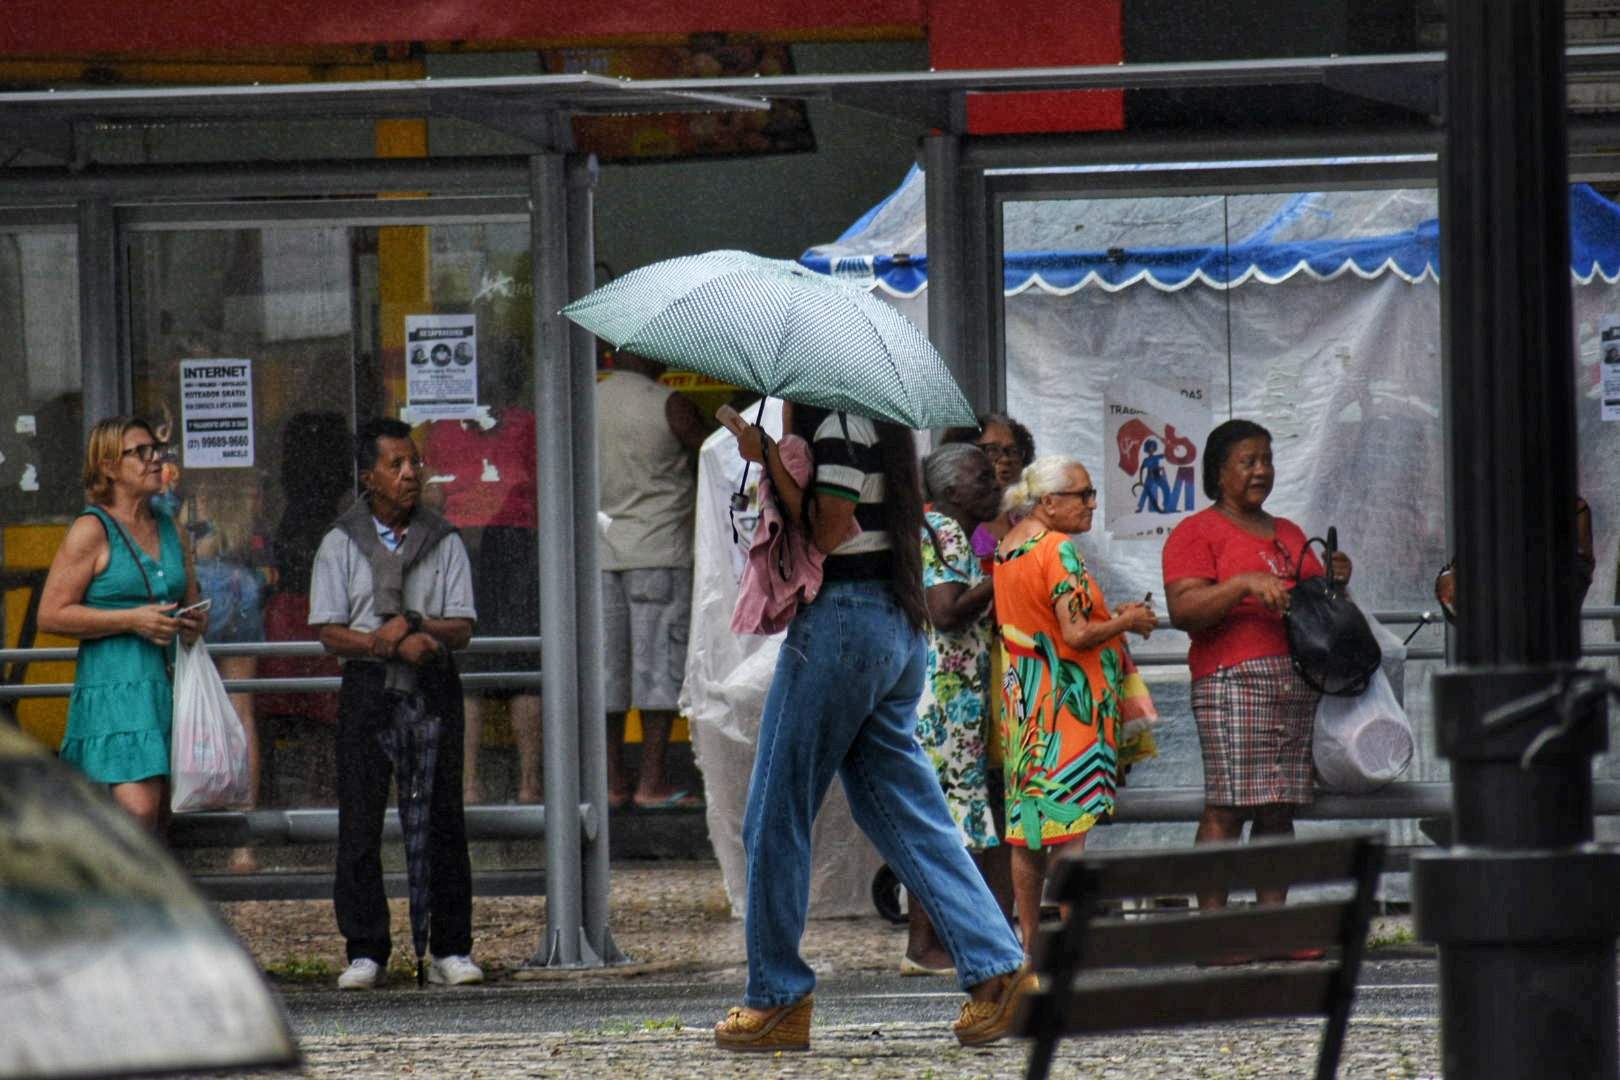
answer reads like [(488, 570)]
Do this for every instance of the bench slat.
[(1260, 864), (1169, 939), (1205, 998)]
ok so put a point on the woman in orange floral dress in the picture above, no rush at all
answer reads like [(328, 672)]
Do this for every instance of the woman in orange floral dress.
[(1064, 741)]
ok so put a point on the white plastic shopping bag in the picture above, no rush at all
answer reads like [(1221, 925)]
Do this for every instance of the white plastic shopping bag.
[(1364, 742), (208, 755)]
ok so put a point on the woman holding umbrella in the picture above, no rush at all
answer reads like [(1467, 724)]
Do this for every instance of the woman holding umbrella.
[(843, 701)]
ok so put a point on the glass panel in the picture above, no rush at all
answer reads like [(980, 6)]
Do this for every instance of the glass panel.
[(1313, 314), (452, 330), (262, 348), (242, 343), (41, 447)]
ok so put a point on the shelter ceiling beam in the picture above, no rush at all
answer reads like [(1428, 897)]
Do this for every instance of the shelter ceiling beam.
[(542, 127), (54, 139), (470, 175)]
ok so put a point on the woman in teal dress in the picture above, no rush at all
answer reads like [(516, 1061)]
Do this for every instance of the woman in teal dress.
[(115, 584)]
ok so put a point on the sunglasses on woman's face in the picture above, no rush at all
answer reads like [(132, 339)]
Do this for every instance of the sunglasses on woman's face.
[(147, 451), (1085, 494)]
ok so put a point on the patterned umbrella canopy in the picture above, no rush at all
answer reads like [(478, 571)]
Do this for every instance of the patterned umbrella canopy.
[(774, 327), (411, 741)]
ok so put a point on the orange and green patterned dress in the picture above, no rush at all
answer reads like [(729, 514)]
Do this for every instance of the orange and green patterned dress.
[(1061, 721)]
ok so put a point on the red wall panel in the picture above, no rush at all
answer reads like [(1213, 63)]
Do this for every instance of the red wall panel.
[(966, 34), (47, 27)]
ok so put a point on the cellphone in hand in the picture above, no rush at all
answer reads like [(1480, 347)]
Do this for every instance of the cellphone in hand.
[(731, 419), (199, 606)]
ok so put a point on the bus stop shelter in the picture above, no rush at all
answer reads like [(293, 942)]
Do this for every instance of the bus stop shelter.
[(970, 177)]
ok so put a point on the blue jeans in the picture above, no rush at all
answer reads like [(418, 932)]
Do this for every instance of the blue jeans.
[(844, 700)]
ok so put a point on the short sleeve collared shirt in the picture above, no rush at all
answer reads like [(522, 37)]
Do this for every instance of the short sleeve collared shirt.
[(341, 586)]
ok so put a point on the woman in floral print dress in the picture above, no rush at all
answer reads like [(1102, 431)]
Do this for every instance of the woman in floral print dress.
[(952, 716), (1064, 747)]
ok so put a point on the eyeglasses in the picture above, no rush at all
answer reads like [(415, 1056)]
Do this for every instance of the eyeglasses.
[(147, 451), (995, 451), (1085, 494)]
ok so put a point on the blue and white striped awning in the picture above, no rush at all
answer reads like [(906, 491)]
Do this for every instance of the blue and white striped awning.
[(1172, 242)]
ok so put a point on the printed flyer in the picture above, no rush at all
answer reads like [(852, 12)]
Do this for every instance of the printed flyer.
[(441, 367), (216, 414)]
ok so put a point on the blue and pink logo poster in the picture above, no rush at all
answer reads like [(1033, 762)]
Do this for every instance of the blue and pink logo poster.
[(1153, 436)]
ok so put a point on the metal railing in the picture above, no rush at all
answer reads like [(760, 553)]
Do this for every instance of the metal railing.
[(533, 679)]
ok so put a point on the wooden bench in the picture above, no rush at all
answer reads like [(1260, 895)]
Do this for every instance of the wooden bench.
[(1077, 998)]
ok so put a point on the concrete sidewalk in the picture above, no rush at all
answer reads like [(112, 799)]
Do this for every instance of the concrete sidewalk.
[(674, 922)]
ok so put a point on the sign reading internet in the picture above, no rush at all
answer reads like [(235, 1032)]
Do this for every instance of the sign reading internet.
[(216, 414)]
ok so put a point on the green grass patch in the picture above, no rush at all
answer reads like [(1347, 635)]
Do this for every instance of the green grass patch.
[(301, 968)]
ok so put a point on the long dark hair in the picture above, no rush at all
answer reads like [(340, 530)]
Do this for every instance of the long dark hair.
[(902, 501)]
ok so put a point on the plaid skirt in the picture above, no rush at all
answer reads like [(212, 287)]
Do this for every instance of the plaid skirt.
[(1254, 727)]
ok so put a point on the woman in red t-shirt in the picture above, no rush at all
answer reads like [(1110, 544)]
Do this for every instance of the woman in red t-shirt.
[(1227, 575)]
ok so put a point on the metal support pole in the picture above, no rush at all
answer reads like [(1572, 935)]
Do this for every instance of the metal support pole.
[(554, 447), (593, 749), (948, 285), (102, 371), (1522, 908)]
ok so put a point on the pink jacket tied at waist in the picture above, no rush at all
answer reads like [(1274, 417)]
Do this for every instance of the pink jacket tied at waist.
[(784, 565)]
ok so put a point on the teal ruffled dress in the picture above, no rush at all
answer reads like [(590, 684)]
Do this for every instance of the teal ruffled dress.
[(123, 700)]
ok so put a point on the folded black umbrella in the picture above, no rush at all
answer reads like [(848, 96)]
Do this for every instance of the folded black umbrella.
[(411, 741)]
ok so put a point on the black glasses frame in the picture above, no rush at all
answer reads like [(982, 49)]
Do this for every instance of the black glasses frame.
[(147, 451)]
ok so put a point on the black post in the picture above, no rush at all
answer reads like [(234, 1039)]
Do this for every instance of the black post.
[(1523, 907)]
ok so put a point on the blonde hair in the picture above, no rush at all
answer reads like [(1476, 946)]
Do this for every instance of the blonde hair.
[(1044, 475), (105, 448)]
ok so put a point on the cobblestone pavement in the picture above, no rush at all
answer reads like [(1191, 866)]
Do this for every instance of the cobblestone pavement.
[(673, 919), (1376, 1050)]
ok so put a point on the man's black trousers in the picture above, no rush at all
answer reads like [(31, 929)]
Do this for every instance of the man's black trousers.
[(363, 776)]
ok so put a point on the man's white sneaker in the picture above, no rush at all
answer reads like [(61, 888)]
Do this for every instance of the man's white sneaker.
[(454, 971), (362, 974)]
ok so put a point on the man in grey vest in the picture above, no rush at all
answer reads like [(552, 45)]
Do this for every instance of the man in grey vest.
[(391, 594)]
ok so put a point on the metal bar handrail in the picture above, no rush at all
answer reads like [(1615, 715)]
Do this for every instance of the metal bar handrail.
[(508, 680), (1167, 805)]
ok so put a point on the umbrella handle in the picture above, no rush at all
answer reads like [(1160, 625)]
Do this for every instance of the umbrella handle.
[(739, 499)]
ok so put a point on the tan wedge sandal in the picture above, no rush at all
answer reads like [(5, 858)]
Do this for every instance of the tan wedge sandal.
[(984, 1022), (786, 1027)]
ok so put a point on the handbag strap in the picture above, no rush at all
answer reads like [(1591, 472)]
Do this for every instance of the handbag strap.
[(109, 523), (1329, 546)]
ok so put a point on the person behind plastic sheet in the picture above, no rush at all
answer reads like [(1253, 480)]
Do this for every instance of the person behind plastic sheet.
[(954, 712), (116, 584), (1064, 743), (1228, 571), (391, 594), (843, 701), (648, 437)]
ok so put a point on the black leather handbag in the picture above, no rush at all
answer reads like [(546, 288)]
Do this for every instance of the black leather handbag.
[(1332, 646)]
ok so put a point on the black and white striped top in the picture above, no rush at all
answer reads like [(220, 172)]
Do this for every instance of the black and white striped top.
[(849, 466)]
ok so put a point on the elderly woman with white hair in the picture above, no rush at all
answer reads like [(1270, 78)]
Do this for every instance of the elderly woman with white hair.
[(1065, 743)]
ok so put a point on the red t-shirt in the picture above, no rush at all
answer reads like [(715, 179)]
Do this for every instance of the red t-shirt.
[(493, 470), (1209, 545)]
